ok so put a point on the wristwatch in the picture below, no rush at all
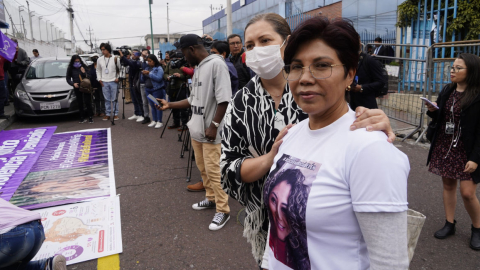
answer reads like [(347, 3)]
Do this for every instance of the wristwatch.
[(215, 124)]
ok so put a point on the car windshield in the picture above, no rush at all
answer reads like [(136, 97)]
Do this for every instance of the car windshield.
[(47, 69)]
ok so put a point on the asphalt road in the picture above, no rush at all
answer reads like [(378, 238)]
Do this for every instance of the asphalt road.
[(161, 231)]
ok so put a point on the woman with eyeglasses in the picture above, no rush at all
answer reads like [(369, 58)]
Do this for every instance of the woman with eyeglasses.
[(455, 150), (258, 118)]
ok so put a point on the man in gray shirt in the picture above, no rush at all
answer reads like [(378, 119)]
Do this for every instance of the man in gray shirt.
[(211, 93)]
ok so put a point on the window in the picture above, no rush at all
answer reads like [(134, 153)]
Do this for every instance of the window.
[(47, 69)]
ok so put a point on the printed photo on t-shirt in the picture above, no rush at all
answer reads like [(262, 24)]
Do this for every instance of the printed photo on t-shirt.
[(286, 193)]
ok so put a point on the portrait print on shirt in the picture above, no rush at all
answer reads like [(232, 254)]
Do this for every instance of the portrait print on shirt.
[(286, 194)]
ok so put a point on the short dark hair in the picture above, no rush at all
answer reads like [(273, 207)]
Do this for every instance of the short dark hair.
[(145, 49), (221, 47), (339, 34), (106, 46), (35, 50), (278, 23), (379, 39), (233, 36)]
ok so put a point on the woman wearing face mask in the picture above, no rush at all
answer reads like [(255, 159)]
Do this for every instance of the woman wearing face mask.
[(261, 112), (455, 150), (77, 69)]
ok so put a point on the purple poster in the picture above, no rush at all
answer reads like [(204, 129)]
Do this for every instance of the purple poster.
[(19, 150), (8, 48), (74, 166)]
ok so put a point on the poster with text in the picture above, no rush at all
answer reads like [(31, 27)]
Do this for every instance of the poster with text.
[(82, 231), (75, 166), (19, 150)]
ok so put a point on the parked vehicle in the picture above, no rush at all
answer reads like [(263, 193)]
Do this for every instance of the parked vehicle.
[(44, 90)]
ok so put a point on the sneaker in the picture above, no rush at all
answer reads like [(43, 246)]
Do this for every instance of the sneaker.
[(133, 117), (159, 125), (140, 119), (90, 120), (196, 187), (205, 204), (82, 120), (174, 126), (106, 118), (116, 118), (56, 263), (152, 124), (146, 120), (219, 220)]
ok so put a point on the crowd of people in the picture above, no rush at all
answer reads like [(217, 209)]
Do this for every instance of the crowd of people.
[(287, 127)]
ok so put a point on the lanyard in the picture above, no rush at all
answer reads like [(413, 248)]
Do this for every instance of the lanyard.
[(106, 65)]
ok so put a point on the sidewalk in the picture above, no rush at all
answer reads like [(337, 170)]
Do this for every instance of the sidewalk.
[(10, 111)]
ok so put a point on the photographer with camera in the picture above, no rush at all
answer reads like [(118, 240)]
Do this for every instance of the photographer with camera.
[(108, 70), (176, 88), (134, 66), (209, 99)]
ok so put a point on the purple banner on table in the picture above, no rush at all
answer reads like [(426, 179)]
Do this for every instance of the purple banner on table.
[(73, 167), (8, 48), (19, 150)]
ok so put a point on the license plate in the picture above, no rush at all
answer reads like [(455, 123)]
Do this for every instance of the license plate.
[(50, 106)]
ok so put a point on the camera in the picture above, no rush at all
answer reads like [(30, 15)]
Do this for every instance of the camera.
[(124, 49), (172, 79), (178, 63), (207, 43)]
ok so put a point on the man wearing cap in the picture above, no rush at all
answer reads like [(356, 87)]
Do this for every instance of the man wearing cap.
[(134, 65), (208, 100)]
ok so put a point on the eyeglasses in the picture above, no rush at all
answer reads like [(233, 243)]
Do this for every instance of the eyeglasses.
[(319, 70), (456, 69), (235, 43)]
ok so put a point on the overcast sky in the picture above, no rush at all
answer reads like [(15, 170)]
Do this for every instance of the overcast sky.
[(122, 21)]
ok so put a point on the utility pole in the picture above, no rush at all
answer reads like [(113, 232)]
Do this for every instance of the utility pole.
[(24, 29), (229, 17), (150, 2), (211, 9), (70, 18), (39, 29), (30, 16), (89, 30), (20, 8), (168, 26), (46, 28)]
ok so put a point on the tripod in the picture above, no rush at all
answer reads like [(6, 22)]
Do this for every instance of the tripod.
[(186, 89), (184, 137)]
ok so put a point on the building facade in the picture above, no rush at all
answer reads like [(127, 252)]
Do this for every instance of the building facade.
[(161, 38)]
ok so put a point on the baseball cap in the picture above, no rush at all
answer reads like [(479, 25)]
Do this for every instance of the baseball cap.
[(190, 40)]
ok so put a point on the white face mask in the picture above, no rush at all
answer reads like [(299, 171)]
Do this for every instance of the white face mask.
[(266, 61)]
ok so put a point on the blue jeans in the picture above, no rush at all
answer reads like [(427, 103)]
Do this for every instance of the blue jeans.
[(159, 93), (110, 91), (20, 245), (137, 100)]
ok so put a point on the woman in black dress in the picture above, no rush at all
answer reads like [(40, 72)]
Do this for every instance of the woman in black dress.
[(455, 150)]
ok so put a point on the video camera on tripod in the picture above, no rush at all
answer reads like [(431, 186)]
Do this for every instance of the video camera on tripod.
[(125, 50)]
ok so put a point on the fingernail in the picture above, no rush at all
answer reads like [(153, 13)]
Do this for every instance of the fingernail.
[(369, 128), (357, 114), (353, 127)]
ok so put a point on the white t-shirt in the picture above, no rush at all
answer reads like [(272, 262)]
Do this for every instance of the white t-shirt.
[(319, 179)]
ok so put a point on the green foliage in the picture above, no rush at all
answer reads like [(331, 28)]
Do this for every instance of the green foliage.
[(468, 19), (406, 12)]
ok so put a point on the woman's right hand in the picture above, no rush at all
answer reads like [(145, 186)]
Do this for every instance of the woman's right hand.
[(76, 85), (278, 141), (430, 107)]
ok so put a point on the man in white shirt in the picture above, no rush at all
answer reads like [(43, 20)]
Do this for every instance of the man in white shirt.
[(108, 69), (36, 55)]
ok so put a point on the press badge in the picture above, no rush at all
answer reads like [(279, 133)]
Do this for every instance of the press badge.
[(449, 128), (106, 71)]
